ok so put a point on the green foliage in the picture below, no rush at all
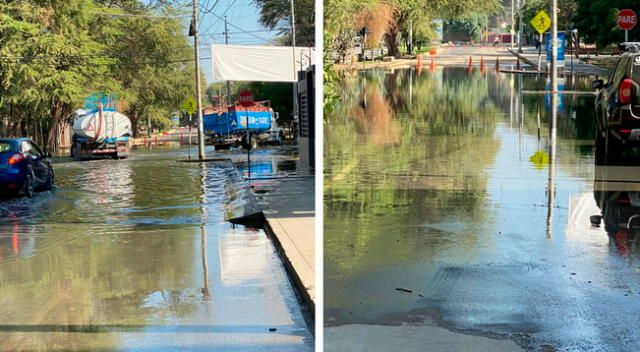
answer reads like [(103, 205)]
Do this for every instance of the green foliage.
[(470, 27), (276, 14), (56, 53), (596, 21), (339, 16)]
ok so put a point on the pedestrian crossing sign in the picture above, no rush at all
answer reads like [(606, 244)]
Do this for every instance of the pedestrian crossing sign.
[(541, 22), (189, 105)]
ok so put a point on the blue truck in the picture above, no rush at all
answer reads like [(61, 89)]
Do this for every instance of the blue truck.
[(227, 126)]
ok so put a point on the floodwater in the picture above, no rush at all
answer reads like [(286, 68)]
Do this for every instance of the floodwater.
[(135, 255), (442, 208)]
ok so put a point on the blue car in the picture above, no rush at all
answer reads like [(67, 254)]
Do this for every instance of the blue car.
[(24, 167)]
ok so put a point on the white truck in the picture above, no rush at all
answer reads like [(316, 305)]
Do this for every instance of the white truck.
[(100, 134)]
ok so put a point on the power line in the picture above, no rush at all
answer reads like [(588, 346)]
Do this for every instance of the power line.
[(135, 15)]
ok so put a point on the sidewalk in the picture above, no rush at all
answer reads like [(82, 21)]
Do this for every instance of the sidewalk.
[(530, 56), (288, 205)]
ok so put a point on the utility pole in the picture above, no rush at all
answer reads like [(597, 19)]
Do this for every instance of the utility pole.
[(226, 41), (295, 71), (197, 69), (554, 113), (554, 48)]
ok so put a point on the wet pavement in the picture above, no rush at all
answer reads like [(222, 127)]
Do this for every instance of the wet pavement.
[(135, 255), (438, 214)]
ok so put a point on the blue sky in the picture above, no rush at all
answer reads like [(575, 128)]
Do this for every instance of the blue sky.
[(243, 14)]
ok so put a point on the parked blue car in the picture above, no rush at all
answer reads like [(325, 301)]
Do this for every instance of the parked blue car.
[(24, 167)]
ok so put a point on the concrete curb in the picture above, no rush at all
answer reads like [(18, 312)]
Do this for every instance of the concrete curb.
[(523, 58), (294, 262), (291, 270)]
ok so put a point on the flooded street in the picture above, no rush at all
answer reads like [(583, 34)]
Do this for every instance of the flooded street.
[(440, 210), (136, 255)]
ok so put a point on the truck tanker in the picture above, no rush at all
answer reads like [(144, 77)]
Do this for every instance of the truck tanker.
[(100, 134)]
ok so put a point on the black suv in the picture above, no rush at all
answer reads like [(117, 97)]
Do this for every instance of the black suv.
[(618, 109)]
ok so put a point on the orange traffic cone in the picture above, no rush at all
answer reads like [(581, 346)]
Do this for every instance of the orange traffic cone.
[(497, 64), (432, 65), (419, 61), (482, 62), (470, 62)]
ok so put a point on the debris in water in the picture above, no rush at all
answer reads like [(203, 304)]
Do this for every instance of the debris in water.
[(401, 289)]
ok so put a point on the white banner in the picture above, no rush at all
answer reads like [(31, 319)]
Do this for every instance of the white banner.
[(258, 63)]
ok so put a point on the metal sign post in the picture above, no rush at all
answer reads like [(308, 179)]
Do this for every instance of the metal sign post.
[(246, 99), (189, 106), (626, 20), (248, 145), (541, 22)]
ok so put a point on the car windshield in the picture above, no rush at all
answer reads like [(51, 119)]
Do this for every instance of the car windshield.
[(6, 147)]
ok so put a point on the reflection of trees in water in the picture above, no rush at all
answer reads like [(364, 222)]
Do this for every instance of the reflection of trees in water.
[(433, 173), (376, 118), (87, 283), (134, 275)]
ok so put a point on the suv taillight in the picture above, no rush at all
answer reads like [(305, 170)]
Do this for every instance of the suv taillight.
[(15, 158), (625, 91)]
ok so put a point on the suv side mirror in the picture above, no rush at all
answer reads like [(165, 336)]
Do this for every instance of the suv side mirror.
[(597, 84)]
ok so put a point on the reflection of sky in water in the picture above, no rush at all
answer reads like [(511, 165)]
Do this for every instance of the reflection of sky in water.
[(123, 254)]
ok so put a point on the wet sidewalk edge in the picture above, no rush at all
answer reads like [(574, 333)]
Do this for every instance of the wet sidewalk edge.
[(249, 212), (589, 69)]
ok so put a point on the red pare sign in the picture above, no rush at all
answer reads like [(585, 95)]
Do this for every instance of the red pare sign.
[(626, 19), (246, 98)]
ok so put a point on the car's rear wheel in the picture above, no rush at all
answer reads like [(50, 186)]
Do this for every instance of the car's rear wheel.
[(49, 183), (27, 187)]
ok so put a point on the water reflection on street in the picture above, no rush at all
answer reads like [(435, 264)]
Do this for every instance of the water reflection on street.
[(135, 255), (440, 208)]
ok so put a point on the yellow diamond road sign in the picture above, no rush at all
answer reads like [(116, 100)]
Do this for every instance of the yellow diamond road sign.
[(539, 159), (541, 22), (189, 105)]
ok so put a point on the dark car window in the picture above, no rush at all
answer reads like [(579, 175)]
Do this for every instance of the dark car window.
[(35, 150), (6, 147), (613, 72), (622, 71)]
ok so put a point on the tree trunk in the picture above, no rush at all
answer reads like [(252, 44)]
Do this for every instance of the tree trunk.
[(58, 111), (391, 37), (134, 116)]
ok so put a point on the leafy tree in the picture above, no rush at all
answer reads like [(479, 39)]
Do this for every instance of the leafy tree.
[(55, 53), (596, 21), (470, 27), (276, 14)]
